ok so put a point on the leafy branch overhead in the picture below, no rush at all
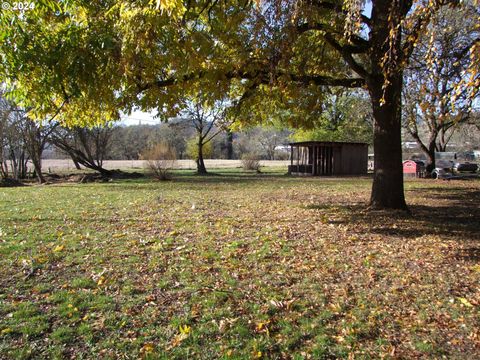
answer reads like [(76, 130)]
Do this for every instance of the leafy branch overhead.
[(121, 54)]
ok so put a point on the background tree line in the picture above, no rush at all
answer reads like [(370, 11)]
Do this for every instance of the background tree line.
[(345, 117)]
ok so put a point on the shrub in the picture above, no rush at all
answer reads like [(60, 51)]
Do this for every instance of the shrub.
[(250, 162), (160, 160)]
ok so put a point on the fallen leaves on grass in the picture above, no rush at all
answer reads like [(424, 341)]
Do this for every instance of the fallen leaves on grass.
[(298, 270)]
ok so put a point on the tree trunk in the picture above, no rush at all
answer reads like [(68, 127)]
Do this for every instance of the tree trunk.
[(23, 166), (430, 161), (229, 144), (79, 158), (3, 168), (37, 165), (201, 169), (443, 140), (387, 189), (36, 151), (385, 87), (15, 170), (429, 152), (75, 162), (90, 164)]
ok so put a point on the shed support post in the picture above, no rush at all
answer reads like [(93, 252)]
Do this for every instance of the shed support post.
[(305, 161), (298, 159)]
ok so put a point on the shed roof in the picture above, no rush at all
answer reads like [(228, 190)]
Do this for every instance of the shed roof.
[(307, 143)]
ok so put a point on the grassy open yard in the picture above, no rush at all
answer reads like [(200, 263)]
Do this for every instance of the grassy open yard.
[(238, 266)]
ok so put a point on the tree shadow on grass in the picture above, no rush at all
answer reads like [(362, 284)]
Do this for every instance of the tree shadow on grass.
[(449, 213)]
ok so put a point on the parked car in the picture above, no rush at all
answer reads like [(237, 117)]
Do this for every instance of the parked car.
[(465, 167), (448, 169)]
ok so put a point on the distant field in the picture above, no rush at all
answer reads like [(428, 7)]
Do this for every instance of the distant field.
[(238, 266), (67, 164)]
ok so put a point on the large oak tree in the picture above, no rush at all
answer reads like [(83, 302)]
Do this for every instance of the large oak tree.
[(269, 57)]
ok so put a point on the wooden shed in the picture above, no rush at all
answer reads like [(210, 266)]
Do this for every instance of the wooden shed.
[(319, 158)]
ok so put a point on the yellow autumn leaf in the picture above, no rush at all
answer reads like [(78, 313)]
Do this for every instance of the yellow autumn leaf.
[(476, 268), (59, 248), (147, 348), (185, 330), (41, 259), (6, 331), (261, 325), (465, 302)]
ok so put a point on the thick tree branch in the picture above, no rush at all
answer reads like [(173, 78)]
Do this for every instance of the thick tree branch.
[(346, 51), (359, 46), (419, 141), (347, 56), (261, 77)]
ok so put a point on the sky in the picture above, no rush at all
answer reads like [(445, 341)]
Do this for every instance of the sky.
[(139, 118)]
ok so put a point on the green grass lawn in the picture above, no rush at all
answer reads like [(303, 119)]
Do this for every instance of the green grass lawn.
[(238, 266)]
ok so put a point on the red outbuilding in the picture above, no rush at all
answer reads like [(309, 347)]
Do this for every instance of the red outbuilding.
[(412, 168)]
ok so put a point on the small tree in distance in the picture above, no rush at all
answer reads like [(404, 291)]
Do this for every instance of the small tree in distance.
[(208, 120)]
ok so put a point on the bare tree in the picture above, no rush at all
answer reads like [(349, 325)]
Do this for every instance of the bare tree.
[(208, 121), (261, 142), (35, 138), (86, 147), (433, 106), (4, 114), (13, 156), (22, 140)]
